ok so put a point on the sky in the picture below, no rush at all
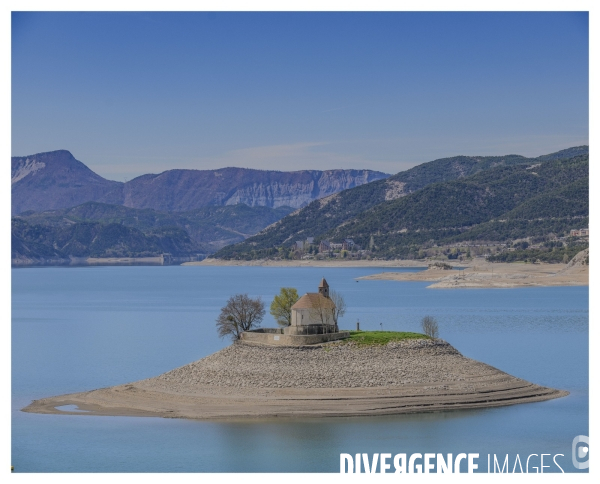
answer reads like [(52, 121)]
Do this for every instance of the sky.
[(130, 93)]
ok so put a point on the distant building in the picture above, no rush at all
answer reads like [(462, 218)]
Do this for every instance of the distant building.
[(580, 232), (310, 240), (324, 246), (299, 244), (348, 244)]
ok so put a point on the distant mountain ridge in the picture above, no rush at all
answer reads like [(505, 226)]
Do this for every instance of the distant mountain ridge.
[(57, 180)]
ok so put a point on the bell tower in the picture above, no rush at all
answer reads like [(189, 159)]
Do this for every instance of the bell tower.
[(324, 288)]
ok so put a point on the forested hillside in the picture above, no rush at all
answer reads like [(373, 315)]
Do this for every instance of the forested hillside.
[(102, 230), (45, 243), (501, 201)]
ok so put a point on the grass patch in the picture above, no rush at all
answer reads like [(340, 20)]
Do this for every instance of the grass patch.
[(382, 337)]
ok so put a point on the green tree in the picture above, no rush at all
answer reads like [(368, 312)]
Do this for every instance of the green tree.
[(281, 307)]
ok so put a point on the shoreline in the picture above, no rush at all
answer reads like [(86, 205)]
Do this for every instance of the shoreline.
[(310, 263), (474, 274), (97, 261), (494, 276), (158, 261), (330, 380)]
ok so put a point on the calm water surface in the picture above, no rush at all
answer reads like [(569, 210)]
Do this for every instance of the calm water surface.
[(77, 329)]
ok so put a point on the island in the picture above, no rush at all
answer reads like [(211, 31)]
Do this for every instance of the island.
[(368, 373)]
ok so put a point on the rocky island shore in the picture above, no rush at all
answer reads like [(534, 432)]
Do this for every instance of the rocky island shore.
[(333, 379)]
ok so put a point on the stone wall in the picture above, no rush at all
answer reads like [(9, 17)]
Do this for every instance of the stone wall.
[(275, 337), (310, 329)]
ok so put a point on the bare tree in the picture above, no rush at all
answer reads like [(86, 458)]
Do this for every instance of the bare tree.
[(430, 327), (340, 306), (241, 313), (328, 310), (322, 312)]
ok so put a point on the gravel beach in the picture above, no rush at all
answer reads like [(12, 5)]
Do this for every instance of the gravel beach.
[(334, 379)]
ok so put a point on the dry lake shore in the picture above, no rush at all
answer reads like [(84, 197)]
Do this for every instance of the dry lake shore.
[(335, 379), (497, 275)]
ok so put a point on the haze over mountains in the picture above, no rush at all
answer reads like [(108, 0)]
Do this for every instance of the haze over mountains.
[(57, 180)]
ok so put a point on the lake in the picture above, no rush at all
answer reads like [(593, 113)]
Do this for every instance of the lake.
[(82, 328)]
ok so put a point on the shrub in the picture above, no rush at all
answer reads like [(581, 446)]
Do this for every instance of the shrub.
[(430, 327)]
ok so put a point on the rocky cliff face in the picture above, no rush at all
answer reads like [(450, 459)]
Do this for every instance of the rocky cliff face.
[(310, 186), (57, 180), (183, 190)]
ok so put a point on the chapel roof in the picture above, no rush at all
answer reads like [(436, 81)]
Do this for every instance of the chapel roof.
[(314, 300), (323, 283)]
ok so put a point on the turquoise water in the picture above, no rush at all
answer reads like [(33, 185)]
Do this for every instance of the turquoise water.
[(77, 329)]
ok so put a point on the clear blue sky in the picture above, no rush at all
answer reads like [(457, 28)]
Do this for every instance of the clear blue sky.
[(134, 93)]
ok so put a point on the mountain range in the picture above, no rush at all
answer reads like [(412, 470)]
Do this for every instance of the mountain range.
[(239, 213), (57, 180)]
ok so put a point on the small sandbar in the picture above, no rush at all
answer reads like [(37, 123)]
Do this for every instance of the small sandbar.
[(334, 379)]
